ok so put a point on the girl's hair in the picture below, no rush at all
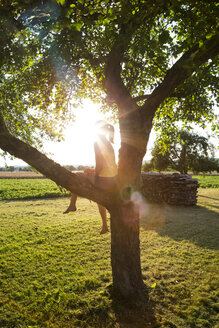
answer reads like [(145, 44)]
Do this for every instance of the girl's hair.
[(107, 129)]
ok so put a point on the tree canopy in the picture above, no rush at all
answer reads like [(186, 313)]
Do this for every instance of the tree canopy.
[(52, 51)]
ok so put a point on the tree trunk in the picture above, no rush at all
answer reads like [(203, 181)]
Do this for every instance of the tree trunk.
[(125, 252), (183, 160), (125, 243)]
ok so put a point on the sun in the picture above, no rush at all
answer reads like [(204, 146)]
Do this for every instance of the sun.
[(85, 122), (78, 147)]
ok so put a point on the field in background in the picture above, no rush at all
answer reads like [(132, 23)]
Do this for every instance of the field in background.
[(20, 175), (207, 181), (12, 188), (55, 269)]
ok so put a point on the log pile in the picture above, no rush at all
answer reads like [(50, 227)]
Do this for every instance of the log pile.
[(173, 189)]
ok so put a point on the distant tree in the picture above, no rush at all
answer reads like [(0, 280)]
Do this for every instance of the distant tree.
[(205, 165), (186, 151), (147, 167), (10, 168), (25, 168), (81, 167), (70, 167), (160, 161)]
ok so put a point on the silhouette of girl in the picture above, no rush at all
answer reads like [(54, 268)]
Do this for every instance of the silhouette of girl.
[(104, 174)]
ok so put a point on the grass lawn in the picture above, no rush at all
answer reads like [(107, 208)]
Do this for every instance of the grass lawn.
[(207, 181), (11, 189), (35, 188), (55, 269)]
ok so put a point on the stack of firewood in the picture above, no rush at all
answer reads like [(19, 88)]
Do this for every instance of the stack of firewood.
[(174, 189)]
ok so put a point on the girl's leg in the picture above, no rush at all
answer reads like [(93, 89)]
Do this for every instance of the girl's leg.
[(102, 211), (72, 206)]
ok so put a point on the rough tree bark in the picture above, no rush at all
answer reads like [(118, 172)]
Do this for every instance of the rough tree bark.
[(125, 243)]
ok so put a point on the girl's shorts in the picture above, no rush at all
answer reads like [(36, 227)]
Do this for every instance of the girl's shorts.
[(105, 183)]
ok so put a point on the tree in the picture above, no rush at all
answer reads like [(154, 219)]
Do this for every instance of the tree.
[(160, 161), (147, 167), (206, 164), (146, 60), (186, 151)]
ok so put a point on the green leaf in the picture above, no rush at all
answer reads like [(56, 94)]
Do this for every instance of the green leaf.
[(61, 2), (201, 43), (77, 25), (154, 285)]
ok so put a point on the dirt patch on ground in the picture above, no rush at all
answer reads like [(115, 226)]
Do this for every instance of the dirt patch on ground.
[(20, 175)]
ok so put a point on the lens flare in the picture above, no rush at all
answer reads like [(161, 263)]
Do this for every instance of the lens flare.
[(141, 203), (134, 207)]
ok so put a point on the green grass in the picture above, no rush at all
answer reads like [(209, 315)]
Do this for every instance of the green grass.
[(29, 189), (11, 189), (55, 269), (207, 181)]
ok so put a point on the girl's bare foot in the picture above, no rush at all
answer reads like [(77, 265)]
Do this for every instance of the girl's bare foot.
[(70, 209), (104, 230)]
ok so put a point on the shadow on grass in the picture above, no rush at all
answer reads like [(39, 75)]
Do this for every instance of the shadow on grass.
[(208, 197), (211, 200), (194, 223), (124, 314), (134, 314)]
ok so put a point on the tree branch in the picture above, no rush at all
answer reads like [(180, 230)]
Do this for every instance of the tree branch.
[(143, 97), (61, 176), (113, 82), (179, 72)]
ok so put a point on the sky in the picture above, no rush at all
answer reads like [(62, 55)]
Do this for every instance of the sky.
[(77, 149)]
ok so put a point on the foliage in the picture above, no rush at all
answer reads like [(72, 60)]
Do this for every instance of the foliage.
[(205, 164), (159, 161), (51, 276), (53, 51), (147, 167), (34, 92), (186, 151)]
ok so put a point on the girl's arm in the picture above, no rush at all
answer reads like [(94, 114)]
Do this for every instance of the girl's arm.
[(98, 159)]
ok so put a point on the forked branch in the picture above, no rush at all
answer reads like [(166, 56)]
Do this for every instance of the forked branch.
[(179, 72)]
